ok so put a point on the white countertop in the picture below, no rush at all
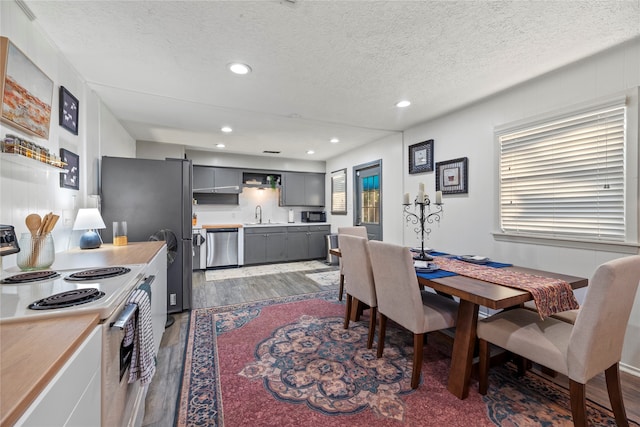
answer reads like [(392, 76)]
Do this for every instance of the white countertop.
[(284, 224)]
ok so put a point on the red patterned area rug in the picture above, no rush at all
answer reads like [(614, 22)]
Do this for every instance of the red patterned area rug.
[(289, 362)]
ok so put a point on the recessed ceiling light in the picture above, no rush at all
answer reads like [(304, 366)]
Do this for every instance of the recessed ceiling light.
[(402, 104), (310, 152), (334, 140), (220, 145), (226, 129), (239, 68)]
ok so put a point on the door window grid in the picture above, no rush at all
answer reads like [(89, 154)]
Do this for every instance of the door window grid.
[(370, 202)]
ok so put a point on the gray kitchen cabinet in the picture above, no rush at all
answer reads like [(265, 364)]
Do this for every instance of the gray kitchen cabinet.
[(209, 179), (302, 189), (290, 243), (297, 243), (276, 245), (318, 241), (229, 178), (203, 179), (265, 244)]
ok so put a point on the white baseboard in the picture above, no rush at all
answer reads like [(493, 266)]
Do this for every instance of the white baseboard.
[(630, 369)]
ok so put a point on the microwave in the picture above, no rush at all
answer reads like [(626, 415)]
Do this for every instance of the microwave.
[(314, 216)]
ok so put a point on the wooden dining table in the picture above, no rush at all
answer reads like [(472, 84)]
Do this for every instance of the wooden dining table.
[(472, 294)]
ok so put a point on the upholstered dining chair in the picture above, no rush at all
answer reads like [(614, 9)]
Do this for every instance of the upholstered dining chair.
[(358, 230), (581, 350), (359, 279), (400, 299)]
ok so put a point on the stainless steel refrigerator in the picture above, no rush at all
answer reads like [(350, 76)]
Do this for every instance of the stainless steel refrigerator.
[(153, 195)]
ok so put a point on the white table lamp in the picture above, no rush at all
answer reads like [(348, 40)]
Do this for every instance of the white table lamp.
[(90, 220)]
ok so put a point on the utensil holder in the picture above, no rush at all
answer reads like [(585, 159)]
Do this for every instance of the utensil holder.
[(36, 252)]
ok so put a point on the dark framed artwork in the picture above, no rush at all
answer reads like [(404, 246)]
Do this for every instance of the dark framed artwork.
[(421, 157), (452, 176), (69, 107), (25, 92), (70, 179)]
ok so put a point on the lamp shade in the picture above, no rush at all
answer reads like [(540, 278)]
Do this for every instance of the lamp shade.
[(88, 219)]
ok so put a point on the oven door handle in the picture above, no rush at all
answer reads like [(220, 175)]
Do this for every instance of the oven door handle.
[(130, 309)]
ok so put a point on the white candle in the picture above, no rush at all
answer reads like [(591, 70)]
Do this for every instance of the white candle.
[(420, 197), (421, 187), (405, 201), (438, 197)]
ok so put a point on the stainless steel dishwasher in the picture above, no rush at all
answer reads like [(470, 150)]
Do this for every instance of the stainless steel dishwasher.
[(222, 247)]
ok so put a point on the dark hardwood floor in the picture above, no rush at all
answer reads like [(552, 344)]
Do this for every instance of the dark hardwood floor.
[(164, 391)]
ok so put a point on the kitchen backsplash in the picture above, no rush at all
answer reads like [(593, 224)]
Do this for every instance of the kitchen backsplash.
[(245, 211)]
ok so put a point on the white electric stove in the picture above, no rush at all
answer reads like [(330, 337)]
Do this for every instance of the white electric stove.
[(99, 290)]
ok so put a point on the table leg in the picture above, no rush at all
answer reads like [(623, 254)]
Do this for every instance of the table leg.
[(463, 346)]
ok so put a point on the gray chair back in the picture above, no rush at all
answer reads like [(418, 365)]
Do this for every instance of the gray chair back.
[(397, 285), (358, 274), (598, 334)]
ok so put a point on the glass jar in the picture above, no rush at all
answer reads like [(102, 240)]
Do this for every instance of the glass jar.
[(36, 252)]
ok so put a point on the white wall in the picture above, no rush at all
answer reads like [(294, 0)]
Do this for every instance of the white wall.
[(389, 150), (158, 151), (27, 188), (469, 219)]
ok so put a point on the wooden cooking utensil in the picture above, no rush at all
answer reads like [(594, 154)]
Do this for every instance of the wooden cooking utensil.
[(53, 219), (34, 223), (45, 223)]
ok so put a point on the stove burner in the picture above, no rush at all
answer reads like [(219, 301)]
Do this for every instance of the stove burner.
[(67, 299), (32, 276), (97, 273)]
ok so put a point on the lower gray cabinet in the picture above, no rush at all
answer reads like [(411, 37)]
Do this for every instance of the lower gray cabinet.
[(265, 244), (318, 241), (291, 243), (297, 243)]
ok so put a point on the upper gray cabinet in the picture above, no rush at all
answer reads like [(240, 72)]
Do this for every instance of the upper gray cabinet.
[(209, 179), (302, 189)]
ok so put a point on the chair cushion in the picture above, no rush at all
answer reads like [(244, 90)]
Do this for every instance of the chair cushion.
[(522, 332), (439, 312)]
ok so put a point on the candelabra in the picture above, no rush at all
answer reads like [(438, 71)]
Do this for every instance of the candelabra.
[(419, 218)]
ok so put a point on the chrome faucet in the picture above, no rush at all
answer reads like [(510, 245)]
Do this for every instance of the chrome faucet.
[(259, 218)]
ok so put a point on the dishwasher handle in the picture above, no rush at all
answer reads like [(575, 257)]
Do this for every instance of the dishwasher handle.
[(222, 230)]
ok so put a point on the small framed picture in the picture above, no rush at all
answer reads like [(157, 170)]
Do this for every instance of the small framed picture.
[(69, 106), (452, 176), (70, 179), (421, 157)]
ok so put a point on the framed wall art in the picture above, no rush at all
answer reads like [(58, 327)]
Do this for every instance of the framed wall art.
[(25, 92), (452, 176), (70, 179), (69, 107), (421, 157)]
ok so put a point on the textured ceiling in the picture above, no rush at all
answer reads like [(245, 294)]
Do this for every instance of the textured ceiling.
[(321, 69)]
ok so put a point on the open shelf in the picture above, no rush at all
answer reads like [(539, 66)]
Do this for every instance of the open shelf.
[(31, 163)]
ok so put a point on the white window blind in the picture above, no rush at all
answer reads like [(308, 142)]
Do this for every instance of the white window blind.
[(565, 178), (339, 192)]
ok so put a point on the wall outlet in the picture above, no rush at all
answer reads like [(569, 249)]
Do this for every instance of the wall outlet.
[(172, 299)]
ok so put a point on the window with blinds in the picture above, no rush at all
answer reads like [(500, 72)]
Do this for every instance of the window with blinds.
[(339, 192), (565, 177)]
